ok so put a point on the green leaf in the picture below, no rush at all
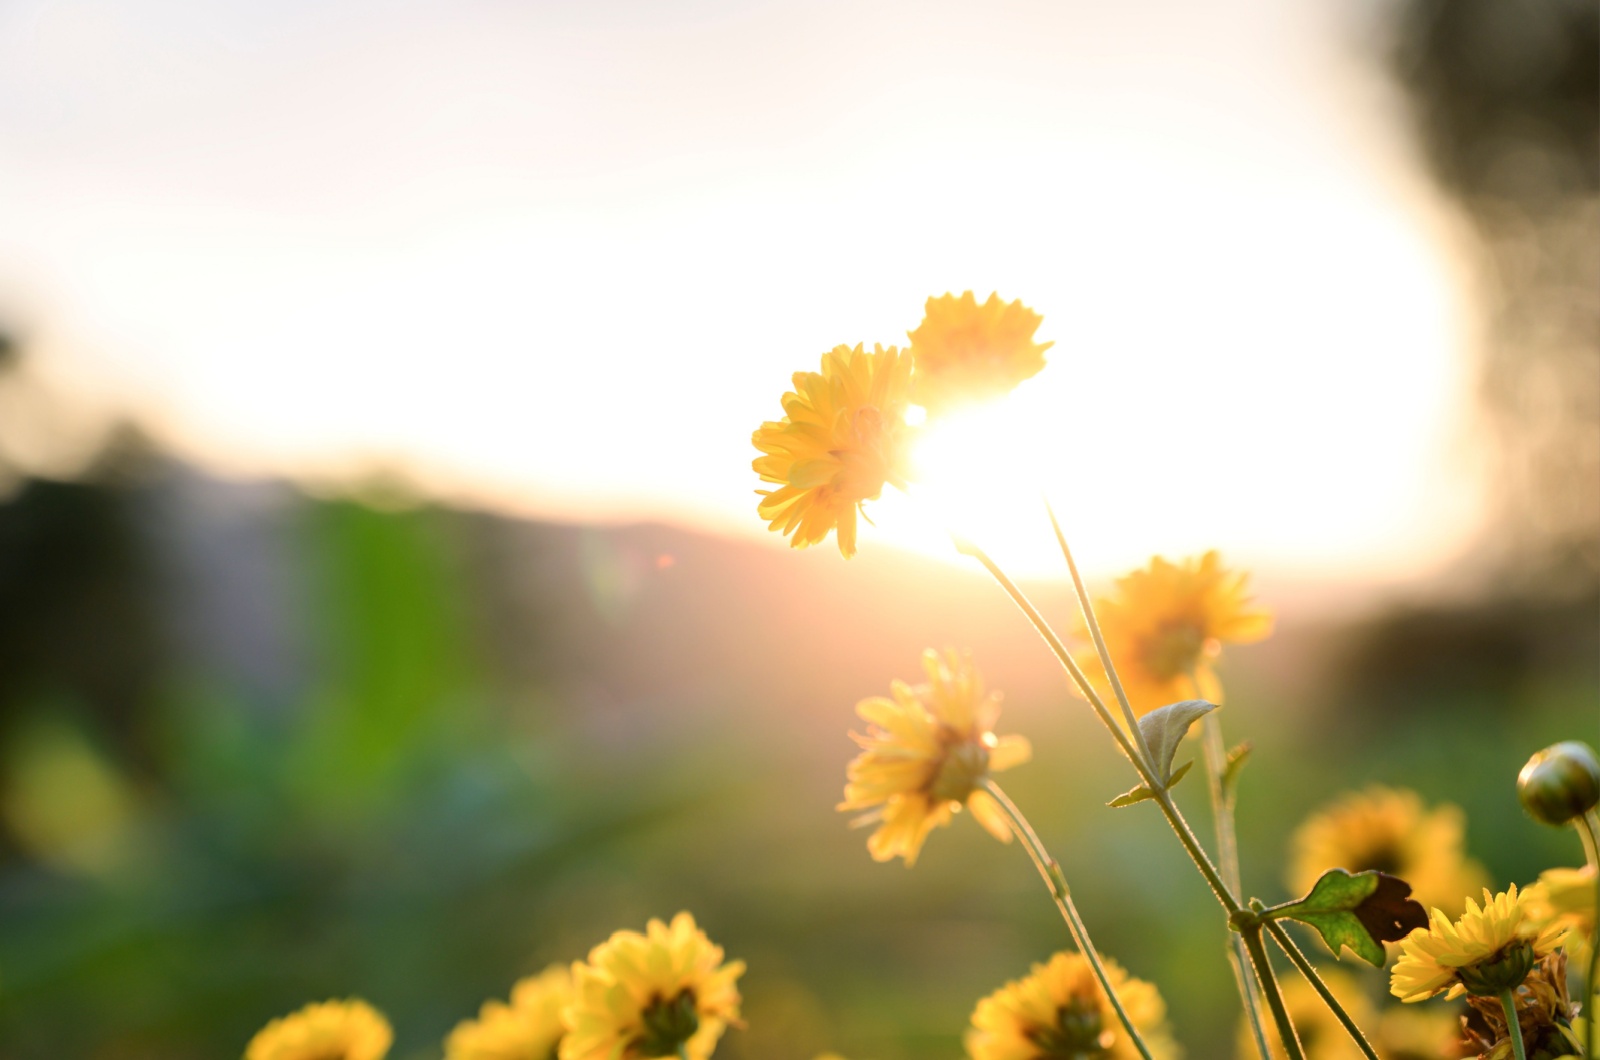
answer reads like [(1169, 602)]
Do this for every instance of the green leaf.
[(1361, 911), (1142, 792), (1165, 727), (1230, 772), (1131, 796)]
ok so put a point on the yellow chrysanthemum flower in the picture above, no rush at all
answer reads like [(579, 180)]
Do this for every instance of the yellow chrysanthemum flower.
[(1390, 830), (1487, 950), (530, 1028), (928, 751), (1060, 1010), (966, 352), (330, 1030), (1166, 623), (843, 436), (1321, 1034), (1564, 898), (641, 997)]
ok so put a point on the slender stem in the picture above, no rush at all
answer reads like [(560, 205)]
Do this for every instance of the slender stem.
[(1269, 987), (1056, 881), (1236, 960), (683, 1051), (1169, 809), (1513, 1025), (1299, 960), (1162, 797), (1588, 826), (1099, 639), (1228, 854)]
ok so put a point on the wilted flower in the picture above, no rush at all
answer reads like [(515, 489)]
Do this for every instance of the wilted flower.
[(929, 749), (1390, 830), (1486, 951), (966, 352), (529, 1028), (340, 1030), (843, 436), (1544, 1015), (640, 997), (1059, 1010), (1166, 623)]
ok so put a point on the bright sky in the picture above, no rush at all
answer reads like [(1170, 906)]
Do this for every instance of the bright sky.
[(564, 257)]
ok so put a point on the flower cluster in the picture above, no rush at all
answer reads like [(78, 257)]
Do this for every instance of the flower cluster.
[(666, 993), (845, 435)]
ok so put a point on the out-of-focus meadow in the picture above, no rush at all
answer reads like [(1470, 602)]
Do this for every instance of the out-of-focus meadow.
[(264, 742)]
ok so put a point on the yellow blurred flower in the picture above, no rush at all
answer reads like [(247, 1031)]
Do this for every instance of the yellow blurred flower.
[(928, 751), (1410, 1033), (329, 1030), (1564, 898), (1323, 1037), (640, 997), (1059, 1010), (529, 1028), (966, 352), (1166, 623), (1389, 829), (1485, 951), (843, 436)]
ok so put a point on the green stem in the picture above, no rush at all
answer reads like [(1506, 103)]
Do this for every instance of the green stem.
[(1513, 1026), (1169, 810), (1269, 987), (1056, 881), (1299, 960), (1588, 826), (683, 1051), (1222, 805), (1141, 763), (1099, 640), (1236, 960)]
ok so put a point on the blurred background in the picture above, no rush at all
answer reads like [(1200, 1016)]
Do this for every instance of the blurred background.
[(383, 609)]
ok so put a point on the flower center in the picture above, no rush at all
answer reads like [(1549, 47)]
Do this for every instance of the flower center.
[(1382, 858), (962, 769), (1078, 1034), (1174, 651), (667, 1025)]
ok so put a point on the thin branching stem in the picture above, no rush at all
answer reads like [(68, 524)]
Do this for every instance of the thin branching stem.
[(1269, 987), (1056, 881), (1093, 622), (1228, 860), (1303, 964), (1162, 798)]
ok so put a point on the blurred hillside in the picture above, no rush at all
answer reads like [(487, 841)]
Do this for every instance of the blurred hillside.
[(260, 747)]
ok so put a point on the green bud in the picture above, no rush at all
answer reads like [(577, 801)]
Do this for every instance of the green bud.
[(1560, 783), (1504, 971), (667, 1025)]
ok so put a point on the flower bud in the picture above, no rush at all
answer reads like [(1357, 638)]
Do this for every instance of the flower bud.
[(1504, 971), (1560, 782)]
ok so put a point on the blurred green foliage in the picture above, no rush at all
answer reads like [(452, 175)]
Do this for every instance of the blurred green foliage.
[(503, 741)]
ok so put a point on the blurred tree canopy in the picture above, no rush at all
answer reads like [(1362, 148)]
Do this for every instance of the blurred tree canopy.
[(1506, 100)]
